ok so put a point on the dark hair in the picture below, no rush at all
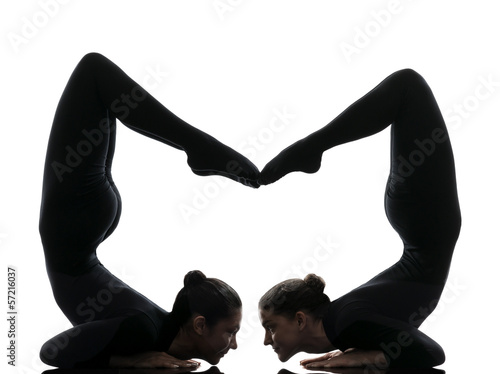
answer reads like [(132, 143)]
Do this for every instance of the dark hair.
[(293, 295), (208, 297)]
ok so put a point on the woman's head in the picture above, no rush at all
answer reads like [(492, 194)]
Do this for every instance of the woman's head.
[(285, 310), (211, 310)]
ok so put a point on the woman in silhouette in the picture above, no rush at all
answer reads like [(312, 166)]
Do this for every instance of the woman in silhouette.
[(377, 323), (113, 324)]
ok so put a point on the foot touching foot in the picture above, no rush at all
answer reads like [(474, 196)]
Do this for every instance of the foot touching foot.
[(297, 157), (215, 158)]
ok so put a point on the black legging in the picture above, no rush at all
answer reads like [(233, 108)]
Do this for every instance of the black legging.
[(421, 204), (81, 207)]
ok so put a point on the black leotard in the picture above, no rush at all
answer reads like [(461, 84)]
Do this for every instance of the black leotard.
[(421, 204), (81, 207)]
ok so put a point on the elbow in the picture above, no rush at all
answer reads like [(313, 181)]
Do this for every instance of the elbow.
[(48, 354), (432, 355), (416, 357), (437, 357), (51, 355)]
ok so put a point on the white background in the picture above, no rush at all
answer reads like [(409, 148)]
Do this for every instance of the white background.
[(233, 68)]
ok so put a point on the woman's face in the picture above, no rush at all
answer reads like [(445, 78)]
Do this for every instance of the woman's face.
[(282, 333), (219, 339)]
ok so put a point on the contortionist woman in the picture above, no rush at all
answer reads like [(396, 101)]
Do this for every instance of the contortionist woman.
[(113, 324), (377, 323)]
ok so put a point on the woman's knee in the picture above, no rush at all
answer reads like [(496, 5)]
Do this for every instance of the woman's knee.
[(410, 78), (91, 63), (92, 59)]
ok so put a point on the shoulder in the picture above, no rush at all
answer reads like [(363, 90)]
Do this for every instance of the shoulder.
[(139, 326), (344, 312)]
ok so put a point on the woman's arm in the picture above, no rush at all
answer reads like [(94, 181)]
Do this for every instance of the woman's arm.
[(349, 358), (91, 344), (381, 343), (150, 360)]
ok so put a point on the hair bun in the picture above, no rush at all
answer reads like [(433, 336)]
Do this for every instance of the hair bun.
[(315, 282), (194, 278)]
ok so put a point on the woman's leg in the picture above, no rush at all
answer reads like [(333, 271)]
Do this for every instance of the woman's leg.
[(389, 102), (80, 203), (421, 197), (138, 110)]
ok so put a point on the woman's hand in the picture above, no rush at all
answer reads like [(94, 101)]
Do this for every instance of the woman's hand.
[(349, 358), (150, 360)]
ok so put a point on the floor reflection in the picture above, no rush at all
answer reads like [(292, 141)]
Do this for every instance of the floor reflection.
[(368, 371), (212, 370), (215, 370)]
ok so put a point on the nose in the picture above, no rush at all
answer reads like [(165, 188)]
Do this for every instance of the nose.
[(267, 338), (233, 344)]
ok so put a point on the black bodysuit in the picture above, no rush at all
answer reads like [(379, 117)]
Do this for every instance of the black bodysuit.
[(81, 207), (421, 204)]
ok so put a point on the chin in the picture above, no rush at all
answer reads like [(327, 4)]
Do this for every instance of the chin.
[(283, 358), (214, 360)]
